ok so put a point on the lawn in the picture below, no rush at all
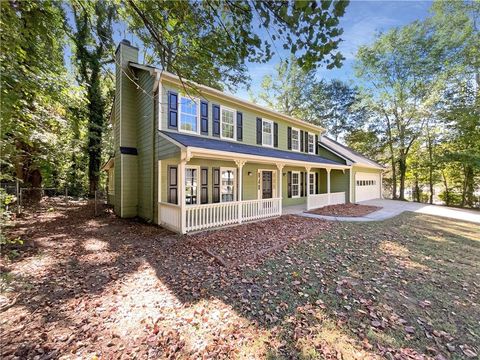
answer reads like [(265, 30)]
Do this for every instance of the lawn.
[(292, 287)]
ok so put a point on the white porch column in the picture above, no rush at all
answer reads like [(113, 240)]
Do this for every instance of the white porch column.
[(350, 171), (240, 164), (279, 189), (328, 184), (308, 168), (181, 195), (184, 158)]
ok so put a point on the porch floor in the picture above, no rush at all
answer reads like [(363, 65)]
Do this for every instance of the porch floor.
[(294, 209)]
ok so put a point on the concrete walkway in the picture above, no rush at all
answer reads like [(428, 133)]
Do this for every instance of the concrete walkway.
[(391, 208)]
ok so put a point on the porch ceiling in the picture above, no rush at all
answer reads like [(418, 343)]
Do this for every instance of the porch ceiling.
[(214, 148)]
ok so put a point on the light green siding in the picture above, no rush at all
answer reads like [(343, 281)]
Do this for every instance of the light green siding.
[(329, 155), (249, 118), (146, 130)]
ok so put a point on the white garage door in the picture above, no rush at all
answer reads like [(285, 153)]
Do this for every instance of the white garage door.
[(367, 186)]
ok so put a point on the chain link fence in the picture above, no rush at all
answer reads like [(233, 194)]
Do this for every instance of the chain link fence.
[(24, 197)]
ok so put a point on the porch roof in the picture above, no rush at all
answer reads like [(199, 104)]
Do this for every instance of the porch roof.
[(240, 148)]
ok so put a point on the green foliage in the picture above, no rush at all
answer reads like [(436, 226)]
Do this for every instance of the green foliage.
[(35, 87), (94, 46), (296, 92), (219, 36)]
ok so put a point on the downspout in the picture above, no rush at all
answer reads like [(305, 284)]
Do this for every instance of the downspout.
[(156, 106)]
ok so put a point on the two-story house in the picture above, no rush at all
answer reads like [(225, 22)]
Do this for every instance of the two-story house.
[(191, 157)]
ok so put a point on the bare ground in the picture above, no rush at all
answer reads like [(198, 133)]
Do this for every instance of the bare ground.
[(291, 287)]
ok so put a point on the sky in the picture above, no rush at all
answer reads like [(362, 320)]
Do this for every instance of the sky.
[(362, 20)]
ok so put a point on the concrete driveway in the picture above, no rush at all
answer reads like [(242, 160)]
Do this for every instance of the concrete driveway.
[(391, 208)]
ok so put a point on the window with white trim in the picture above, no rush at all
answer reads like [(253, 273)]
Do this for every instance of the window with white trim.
[(295, 184), (311, 143), (267, 132), (295, 139), (312, 183), (227, 184), (189, 114), (191, 185), (227, 121)]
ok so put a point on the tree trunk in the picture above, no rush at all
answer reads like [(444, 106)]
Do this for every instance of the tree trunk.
[(430, 164), (469, 186), (392, 159), (402, 167), (447, 190), (417, 189)]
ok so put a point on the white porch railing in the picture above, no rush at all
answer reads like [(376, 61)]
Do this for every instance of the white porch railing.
[(320, 200), (207, 216), (337, 198), (259, 209), (170, 216), (317, 201)]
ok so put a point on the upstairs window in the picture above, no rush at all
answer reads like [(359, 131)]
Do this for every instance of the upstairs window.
[(188, 114), (227, 123), (311, 143), (295, 139), (267, 133)]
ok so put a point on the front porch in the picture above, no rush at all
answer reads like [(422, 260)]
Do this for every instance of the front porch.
[(200, 191)]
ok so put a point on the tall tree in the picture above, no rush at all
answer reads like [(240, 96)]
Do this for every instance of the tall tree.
[(456, 27), (93, 48), (297, 92), (34, 86), (396, 69), (289, 90), (219, 36)]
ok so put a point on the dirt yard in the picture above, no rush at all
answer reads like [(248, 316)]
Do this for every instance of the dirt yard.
[(347, 210), (293, 287)]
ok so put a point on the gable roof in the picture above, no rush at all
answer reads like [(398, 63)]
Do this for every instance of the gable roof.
[(240, 148), (347, 153)]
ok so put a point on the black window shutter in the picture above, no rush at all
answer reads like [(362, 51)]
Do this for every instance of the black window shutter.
[(302, 188), (172, 185), (289, 184), (317, 189), (259, 131), (216, 120), (275, 134), (204, 185), (301, 140), (216, 185), (239, 126), (306, 142), (172, 110), (204, 117), (289, 138), (316, 146)]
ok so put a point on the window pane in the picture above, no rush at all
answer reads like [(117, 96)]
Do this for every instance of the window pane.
[(311, 143), (267, 137), (228, 128), (191, 186), (295, 186), (227, 186), (295, 140), (188, 114)]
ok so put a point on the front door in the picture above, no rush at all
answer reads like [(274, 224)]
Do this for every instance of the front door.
[(267, 185)]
